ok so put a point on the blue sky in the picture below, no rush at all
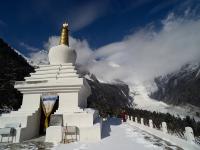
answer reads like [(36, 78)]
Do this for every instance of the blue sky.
[(130, 40), (100, 22)]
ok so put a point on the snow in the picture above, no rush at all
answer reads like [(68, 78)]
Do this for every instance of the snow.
[(27, 59), (117, 136), (198, 73), (113, 64), (88, 77), (144, 102)]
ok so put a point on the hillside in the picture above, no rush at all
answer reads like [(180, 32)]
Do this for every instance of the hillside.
[(181, 87), (109, 98), (13, 67)]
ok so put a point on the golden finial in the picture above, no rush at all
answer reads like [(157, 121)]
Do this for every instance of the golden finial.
[(64, 37)]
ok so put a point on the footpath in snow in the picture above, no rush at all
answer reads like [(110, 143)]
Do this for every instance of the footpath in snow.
[(117, 136)]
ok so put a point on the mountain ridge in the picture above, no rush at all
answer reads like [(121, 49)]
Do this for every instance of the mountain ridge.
[(180, 87), (13, 67)]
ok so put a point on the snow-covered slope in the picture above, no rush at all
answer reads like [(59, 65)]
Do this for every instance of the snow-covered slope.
[(35, 59), (143, 101)]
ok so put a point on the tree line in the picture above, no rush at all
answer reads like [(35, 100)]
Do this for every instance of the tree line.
[(175, 124)]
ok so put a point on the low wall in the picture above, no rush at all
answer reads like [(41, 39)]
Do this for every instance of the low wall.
[(187, 144), (29, 127), (55, 135)]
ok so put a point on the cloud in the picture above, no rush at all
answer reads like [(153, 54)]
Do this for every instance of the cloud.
[(143, 55), (162, 6), (147, 53), (40, 57), (28, 47), (83, 15)]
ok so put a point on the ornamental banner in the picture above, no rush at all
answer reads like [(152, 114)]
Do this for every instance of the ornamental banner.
[(48, 101)]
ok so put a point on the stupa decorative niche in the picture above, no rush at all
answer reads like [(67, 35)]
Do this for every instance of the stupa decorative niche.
[(58, 79)]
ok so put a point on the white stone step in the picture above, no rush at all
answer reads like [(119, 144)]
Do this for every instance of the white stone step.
[(19, 112), (66, 64), (54, 68), (51, 75), (67, 75), (67, 71), (54, 72)]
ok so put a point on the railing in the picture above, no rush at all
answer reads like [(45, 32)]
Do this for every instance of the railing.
[(197, 140), (184, 139)]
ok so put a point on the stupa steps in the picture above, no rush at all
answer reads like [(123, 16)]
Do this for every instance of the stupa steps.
[(53, 82), (64, 111), (53, 74), (13, 119), (18, 118), (56, 77), (50, 67), (62, 71), (20, 112), (60, 65)]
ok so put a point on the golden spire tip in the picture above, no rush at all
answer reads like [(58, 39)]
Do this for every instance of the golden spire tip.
[(64, 37)]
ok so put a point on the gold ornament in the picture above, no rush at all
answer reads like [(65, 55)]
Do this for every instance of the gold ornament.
[(64, 37)]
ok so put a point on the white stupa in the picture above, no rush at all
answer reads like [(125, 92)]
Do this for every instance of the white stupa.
[(60, 79)]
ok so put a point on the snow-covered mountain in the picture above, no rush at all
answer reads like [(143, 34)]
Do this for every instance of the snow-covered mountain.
[(180, 87), (175, 93)]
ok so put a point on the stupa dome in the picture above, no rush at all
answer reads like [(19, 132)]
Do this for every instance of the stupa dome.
[(62, 53)]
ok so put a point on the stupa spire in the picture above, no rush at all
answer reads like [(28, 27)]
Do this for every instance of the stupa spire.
[(64, 37)]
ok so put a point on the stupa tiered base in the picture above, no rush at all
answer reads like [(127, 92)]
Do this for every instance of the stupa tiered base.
[(72, 92)]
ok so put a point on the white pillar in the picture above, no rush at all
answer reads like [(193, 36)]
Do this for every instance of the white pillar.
[(189, 135), (164, 127), (150, 123), (136, 120), (142, 121), (131, 118)]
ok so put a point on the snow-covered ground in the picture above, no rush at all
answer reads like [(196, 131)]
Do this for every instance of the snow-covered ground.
[(117, 136)]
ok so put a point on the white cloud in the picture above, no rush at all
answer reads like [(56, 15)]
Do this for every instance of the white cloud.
[(83, 15), (28, 47), (40, 57), (144, 54)]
